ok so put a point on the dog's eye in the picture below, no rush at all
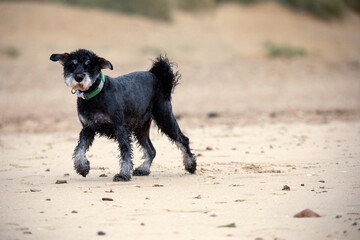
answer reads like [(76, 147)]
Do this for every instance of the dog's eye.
[(72, 66)]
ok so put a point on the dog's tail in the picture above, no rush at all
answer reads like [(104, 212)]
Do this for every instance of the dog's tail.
[(162, 69)]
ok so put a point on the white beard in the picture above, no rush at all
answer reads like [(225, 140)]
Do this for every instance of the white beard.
[(84, 85)]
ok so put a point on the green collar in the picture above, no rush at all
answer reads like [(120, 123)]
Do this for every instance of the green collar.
[(93, 93)]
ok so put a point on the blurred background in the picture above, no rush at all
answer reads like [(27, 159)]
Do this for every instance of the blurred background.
[(242, 61)]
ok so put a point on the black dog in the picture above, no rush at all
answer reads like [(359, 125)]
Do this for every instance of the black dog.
[(121, 107)]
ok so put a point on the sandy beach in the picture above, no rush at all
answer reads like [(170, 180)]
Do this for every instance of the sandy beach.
[(272, 136)]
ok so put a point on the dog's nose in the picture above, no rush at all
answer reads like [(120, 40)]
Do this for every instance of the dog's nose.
[(79, 77)]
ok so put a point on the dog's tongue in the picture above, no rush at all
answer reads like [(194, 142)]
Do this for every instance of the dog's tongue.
[(78, 87)]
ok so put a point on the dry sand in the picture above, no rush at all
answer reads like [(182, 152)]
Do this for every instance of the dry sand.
[(293, 122), (240, 180)]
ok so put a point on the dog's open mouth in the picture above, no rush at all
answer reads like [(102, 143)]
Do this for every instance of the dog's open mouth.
[(79, 86)]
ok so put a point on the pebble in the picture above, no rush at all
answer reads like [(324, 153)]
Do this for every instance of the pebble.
[(306, 213), (158, 185), (107, 199), (35, 190), (197, 196), (286, 188), (60, 181)]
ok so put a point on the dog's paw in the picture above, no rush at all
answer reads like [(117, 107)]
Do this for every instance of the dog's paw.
[(82, 167), (121, 178), (190, 166), (141, 171)]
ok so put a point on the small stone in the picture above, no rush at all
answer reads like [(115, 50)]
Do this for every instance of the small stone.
[(60, 181), (107, 199), (101, 233), (338, 216), (198, 196), (354, 224), (66, 174), (74, 211), (142, 224), (306, 213), (272, 114), (286, 188), (35, 190), (208, 148), (103, 175), (212, 115), (158, 185), (302, 184), (47, 170)]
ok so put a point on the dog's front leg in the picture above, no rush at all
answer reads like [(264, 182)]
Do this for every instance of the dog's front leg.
[(81, 164), (124, 140)]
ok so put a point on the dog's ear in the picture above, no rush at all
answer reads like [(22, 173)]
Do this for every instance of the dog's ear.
[(61, 58), (105, 63)]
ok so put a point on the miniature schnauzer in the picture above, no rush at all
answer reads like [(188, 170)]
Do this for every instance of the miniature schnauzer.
[(122, 107)]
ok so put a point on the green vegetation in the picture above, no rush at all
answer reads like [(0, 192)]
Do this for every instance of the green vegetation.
[(11, 51), (283, 50), (325, 9), (159, 9), (162, 9), (353, 4), (195, 4), (241, 1)]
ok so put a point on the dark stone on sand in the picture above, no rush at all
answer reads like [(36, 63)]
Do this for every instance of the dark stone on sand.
[(306, 213)]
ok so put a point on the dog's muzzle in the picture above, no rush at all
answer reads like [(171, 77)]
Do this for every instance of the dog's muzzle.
[(80, 81), (79, 77)]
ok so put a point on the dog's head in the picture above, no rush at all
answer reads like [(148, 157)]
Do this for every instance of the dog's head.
[(81, 68)]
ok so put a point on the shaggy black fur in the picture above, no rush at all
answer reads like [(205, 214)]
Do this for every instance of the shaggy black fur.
[(126, 106)]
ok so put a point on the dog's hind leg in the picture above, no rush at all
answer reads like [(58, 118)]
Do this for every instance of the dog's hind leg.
[(142, 135), (126, 165), (81, 164), (167, 123)]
